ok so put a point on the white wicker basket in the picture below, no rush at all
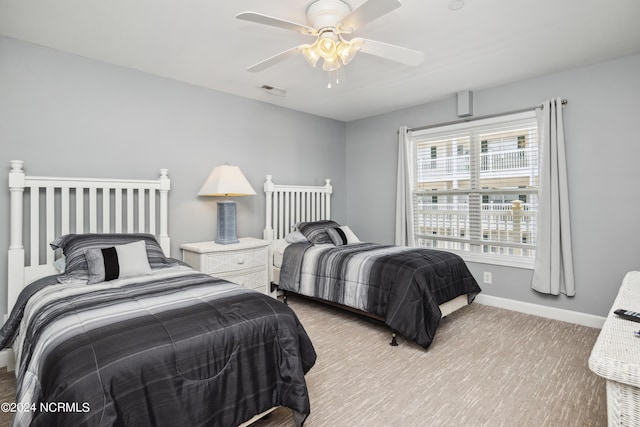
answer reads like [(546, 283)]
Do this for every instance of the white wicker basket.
[(616, 356)]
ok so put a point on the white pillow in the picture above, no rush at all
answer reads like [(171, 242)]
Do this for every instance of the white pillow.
[(342, 235), (117, 262), (351, 237), (295, 237), (60, 264)]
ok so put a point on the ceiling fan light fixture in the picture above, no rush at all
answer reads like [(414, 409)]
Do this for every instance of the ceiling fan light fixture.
[(311, 54), (347, 50), (328, 20), (331, 64), (326, 45)]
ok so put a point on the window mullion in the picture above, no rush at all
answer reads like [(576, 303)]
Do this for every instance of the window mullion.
[(475, 199)]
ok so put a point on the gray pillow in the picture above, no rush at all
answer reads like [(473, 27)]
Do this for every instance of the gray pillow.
[(74, 247), (316, 231)]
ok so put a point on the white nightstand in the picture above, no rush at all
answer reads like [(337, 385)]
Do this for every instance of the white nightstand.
[(244, 263)]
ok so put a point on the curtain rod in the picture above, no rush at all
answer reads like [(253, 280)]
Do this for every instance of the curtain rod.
[(488, 116)]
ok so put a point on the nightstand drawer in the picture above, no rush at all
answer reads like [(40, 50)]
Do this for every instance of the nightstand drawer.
[(224, 262), (256, 279), (245, 263)]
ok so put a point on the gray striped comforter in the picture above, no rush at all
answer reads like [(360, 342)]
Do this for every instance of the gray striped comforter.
[(174, 348), (404, 285)]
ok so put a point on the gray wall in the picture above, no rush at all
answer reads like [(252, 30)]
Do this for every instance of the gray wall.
[(602, 159), (69, 116), (66, 115)]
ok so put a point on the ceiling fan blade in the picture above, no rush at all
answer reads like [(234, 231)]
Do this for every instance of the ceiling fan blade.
[(367, 12), (275, 59), (391, 52), (276, 22)]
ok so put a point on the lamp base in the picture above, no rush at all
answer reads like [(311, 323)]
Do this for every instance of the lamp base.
[(227, 223)]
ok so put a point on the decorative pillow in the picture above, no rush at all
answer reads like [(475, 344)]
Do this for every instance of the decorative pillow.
[(342, 236), (117, 262), (74, 247), (316, 232), (295, 237), (351, 236)]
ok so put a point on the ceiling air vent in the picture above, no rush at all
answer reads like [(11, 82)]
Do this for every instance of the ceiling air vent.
[(271, 90)]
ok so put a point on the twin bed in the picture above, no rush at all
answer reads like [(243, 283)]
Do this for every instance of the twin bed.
[(409, 289), (137, 337), (120, 333)]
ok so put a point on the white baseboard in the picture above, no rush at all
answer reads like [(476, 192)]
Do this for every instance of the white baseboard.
[(576, 317)]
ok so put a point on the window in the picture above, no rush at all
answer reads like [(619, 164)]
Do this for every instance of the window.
[(479, 194)]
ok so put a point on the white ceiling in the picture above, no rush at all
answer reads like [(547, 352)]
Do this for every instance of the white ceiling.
[(484, 44)]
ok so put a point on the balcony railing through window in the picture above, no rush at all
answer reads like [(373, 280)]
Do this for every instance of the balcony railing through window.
[(507, 228), (457, 166)]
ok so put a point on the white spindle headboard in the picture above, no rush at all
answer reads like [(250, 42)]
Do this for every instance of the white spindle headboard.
[(62, 205), (288, 204)]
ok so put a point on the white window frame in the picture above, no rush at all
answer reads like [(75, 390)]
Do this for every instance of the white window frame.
[(474, 255)]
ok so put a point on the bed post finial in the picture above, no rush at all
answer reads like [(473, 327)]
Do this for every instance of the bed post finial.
[(16, 165)]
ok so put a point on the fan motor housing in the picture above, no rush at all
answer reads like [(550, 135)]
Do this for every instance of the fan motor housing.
[(326, 13)]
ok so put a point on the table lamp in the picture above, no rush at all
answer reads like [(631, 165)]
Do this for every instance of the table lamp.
[(226, 180)]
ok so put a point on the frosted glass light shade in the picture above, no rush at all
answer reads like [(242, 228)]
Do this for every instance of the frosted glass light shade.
[(310, 54), (327, 46), (347, 50), (331, 64), (226, 180)]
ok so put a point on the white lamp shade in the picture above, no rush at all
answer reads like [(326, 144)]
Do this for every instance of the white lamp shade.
[(226, 180)]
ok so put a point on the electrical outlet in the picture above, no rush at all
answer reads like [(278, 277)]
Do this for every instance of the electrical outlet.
[(487, 277)]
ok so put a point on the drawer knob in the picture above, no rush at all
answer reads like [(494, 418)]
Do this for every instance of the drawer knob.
[(240, 260)]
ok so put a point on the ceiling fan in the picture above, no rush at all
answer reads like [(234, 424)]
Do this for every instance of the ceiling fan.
[(328, 21)]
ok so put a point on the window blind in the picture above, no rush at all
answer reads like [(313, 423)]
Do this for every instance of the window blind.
[(476, 186)]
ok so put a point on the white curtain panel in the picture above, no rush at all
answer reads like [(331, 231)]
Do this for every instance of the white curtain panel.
[(553, 268), (404, 190)]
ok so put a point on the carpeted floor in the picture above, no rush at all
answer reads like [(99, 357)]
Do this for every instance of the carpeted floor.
[(486, 367), (7, 394)]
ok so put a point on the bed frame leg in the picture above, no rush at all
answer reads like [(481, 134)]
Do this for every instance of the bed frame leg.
[(394, 342), (284, 296)]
